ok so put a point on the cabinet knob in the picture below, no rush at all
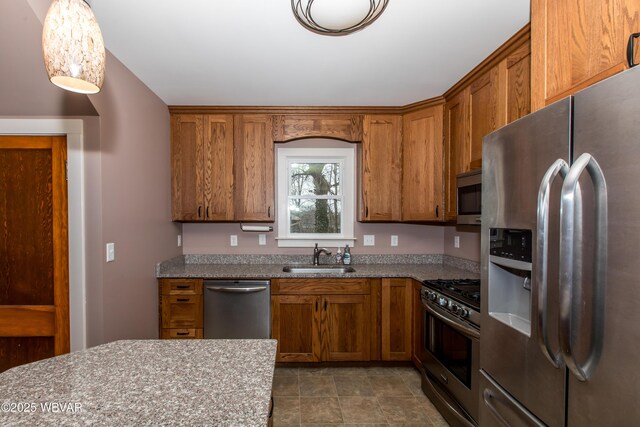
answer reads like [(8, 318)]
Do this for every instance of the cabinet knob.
[(207, 211), (199, 211), (437, 215), (366, 211), (269, 212)]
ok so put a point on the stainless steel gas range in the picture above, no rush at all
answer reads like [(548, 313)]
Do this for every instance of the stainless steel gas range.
[(450, 351)]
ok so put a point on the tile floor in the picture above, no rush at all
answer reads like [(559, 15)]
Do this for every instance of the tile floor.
[(370, 396)]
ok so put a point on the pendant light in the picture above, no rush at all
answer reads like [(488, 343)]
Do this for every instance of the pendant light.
[(72, 47), (337, 17)]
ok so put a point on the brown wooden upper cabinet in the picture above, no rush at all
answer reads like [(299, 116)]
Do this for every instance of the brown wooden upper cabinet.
[(220, 173), (456, 118), (576, 43), (254, 168), (422, 165), (347, 127), (381, 185), (202, 167), (486, 100)]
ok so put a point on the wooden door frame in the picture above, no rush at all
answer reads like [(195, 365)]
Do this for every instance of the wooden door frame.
[(74, 131)]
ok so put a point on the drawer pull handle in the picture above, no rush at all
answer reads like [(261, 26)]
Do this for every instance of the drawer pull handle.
[(182, 333), (182, 287), (184, 299)]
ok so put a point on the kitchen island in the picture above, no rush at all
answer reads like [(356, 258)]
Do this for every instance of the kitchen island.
[(144, 382)]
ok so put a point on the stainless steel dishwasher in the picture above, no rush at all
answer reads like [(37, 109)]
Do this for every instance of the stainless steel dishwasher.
[(237, 309)]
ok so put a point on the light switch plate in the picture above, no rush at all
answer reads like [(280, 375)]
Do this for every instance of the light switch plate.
[(394, 240), (179, 240), (262, 239), (369, 240), (233, 240), (456, 241), (111, 252)]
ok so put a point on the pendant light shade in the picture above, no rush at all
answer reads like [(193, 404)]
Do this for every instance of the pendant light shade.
[(337, 17), (72, 47)]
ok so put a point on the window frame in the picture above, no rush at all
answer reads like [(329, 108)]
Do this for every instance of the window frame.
[(347, 158)]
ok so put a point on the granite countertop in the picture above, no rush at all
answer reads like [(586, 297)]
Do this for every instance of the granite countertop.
[(145, 382), (259, 267)]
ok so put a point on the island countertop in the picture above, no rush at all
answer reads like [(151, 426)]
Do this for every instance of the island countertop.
[(144, 382)]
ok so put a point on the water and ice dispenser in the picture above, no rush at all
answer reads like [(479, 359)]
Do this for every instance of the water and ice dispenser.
[(510, 278)]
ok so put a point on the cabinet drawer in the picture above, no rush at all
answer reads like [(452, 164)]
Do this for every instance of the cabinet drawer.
[(320, 287), (181, 286), (181, 334), (181, 311)]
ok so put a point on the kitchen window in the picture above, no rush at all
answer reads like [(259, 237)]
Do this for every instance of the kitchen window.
[(316, 196)]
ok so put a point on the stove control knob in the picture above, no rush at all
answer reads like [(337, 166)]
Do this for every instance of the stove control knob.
[(442, 301), (455, 308), (463, 312), (432, 296)]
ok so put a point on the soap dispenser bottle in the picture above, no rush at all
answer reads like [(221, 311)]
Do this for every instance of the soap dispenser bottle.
[(346, 258), (339, 256)]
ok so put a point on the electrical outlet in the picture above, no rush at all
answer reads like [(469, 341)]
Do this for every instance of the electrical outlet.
[(111, 252), (394, 240), (179, 240), (262, 239), (233, 240), (369, 240), (456, 241)]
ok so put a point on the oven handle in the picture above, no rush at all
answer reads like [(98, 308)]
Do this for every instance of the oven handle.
[(455, 411), (466, 330)]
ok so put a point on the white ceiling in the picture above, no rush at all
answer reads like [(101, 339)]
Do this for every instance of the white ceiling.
[(254, 52)]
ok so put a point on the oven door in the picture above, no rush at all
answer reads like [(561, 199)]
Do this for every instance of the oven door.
[(451, 354)]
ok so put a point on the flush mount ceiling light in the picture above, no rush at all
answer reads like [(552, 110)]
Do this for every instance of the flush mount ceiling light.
[(72, 47), (337, 17)]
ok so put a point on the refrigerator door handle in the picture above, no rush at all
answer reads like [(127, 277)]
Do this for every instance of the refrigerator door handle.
[(559, 167), (571, 232)]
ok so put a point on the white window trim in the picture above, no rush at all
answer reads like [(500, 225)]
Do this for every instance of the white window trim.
[(347, 157)]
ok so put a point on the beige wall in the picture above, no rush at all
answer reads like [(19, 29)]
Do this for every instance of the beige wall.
[(214, 239), (127, 176), (469, 241)]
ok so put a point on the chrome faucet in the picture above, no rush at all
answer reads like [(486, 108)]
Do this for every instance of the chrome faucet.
[(317, 252)]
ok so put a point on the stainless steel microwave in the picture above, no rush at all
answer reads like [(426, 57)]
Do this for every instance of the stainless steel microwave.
[(469, 197)]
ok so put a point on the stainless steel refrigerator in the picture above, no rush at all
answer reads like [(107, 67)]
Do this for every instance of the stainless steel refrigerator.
[(560, 257)]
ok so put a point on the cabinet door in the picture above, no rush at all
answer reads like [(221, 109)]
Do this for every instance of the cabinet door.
[(187, 180), (381, 169), (455, 135), (483, 97), (253, 168), (296, 327), (396, 319), (422, 165), (576, 43), (514, 85), (345, 327), (418, 324), (218, 168)]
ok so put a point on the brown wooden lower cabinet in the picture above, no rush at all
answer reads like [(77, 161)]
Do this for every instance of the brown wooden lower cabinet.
[(330, 327), (181, 308), (396, 319)]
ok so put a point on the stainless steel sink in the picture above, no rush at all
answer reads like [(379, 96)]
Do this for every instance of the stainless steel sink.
[(317, 269)]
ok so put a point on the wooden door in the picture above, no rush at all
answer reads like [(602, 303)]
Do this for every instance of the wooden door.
[(254, 168), (381, 169), (34, 260), (422, 165), (456, 161), (514, 85), (187, 171), (295, 324), (483, 100), (218, 168), (345, 327), (396, 319), (576, 43)]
